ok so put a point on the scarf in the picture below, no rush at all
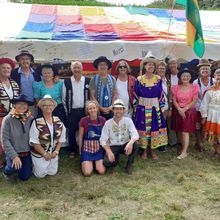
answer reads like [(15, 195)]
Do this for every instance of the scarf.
[(21, 116)]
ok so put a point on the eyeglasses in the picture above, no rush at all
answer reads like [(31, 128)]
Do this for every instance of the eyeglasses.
[(120, 67)]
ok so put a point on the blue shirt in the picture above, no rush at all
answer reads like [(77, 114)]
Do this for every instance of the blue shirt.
[(40, 90), (27, 84)]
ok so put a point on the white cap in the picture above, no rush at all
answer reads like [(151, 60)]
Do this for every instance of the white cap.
[(118, 103)]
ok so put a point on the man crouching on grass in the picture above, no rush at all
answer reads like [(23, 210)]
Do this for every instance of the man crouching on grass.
[(119, 136)]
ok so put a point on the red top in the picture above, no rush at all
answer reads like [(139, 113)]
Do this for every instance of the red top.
[(85, 121)]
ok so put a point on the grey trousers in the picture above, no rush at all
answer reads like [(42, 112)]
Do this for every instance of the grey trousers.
[(172, 135), (119, 149)]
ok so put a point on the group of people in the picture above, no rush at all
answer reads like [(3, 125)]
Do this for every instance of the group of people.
[(108, 115)]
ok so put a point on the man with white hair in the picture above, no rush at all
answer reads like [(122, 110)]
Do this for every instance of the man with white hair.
[(75, 94), (119, 136)]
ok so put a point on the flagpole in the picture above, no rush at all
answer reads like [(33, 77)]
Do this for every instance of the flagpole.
[(171, 16)]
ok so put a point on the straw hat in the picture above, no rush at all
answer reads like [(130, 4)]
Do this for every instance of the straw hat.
[(49, 98), (24, 53), (203, 62)]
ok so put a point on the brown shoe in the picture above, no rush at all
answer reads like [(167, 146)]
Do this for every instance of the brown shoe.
[(129, 169)]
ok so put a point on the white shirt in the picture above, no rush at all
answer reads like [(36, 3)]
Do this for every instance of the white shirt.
[(203, 88), (78, 92), (122, 93), (9, 91), (118, 134), (34, 134), (174, 80), (164, 85)]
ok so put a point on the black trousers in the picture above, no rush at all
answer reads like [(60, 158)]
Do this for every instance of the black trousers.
[(73, 125), (119, 149)]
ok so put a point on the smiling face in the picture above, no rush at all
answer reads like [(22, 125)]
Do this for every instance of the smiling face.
[(5, 70), (149, 67), (24, 61), (92, 109), (47, 107), (217, 77), (204, 71), (21, 107), (47, 74), (122, 68), (103, 67), (76, 68), (185, 77), (161, 70), (118, 112)]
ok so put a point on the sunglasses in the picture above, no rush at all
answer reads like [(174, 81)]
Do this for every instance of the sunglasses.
[(120, 67)]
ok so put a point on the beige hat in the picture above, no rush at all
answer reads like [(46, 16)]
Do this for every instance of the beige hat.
[(118, 103), (49, 98), (203, 62), (146, 60)]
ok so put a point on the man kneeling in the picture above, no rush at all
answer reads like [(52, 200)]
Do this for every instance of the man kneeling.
[(119, 136)]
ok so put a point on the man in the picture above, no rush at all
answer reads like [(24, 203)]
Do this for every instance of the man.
[(119, 135), (173, 79), (75, 94), (103, 87), (25, 76), (205, 81)]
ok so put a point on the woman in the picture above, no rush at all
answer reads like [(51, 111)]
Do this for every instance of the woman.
[(9, 89), (205, 81), (46, 135), (125, 86), (210, 112), (149, 103), (161, 71), (15, 139), (90, 128), (184, 112), (48, 87)]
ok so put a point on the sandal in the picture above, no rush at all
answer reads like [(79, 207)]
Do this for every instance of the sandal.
[(182, 156)]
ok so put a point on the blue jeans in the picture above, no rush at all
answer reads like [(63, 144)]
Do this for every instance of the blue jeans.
[(26, 170)]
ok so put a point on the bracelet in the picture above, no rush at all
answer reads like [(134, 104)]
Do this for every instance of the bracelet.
[(56, 152)]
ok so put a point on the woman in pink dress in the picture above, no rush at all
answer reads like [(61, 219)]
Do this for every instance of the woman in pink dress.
[(184, 112)]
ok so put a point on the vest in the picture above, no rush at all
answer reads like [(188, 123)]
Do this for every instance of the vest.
[(4, 98), (45, 138), (69, 93), (104, 93)]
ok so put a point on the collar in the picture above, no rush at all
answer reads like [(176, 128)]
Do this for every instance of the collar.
[(81, 79), (21, 72)]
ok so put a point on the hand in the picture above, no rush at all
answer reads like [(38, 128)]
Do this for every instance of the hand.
[(53, 155), (47, 156), (104, 110), (56, 79), (203, 121), (16, 163), (128, 149), (182, 112), (169, 114), (111, 156)]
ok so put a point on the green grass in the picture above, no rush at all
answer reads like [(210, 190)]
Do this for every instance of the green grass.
[(166, 189)]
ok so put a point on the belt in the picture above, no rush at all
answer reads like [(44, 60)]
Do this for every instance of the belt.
[(23, 154)]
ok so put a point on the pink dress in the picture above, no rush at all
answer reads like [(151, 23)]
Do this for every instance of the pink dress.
[(183, 98)]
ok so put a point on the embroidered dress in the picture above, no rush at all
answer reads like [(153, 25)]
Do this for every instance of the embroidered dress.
[(210, 109), (91, 149), (148, 117)]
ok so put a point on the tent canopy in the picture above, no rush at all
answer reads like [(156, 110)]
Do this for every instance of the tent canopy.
[(83, 33)]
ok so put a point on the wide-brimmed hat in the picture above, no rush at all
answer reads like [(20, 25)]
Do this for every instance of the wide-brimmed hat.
[(118, 103), (203, 62), (145, 60), (8, 61), (24, 53), (185, 70), (47, 65), (21, 98), (102, 59), (49, 98)]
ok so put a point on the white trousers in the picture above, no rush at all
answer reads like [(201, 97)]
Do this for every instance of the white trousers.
[(42, 167)]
